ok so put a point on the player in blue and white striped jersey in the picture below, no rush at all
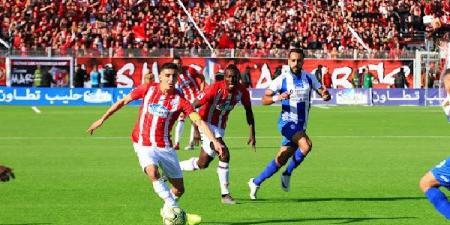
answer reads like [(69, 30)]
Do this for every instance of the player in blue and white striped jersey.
[(293, 88)]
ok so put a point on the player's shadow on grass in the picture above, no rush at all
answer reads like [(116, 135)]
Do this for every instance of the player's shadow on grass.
[(336, 220), (368, 199)]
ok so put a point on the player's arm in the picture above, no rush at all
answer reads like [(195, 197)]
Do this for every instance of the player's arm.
[(202, 82), (195, 118), (251, 124), (114, 108), (324, 94), (269, 97)]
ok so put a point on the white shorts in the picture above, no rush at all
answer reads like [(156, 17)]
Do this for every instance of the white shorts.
[(165, 158), (218, 132)]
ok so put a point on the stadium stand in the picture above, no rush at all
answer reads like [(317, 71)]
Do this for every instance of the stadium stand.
[(93, 27)]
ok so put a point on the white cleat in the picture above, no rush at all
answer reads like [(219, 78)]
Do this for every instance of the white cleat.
[(285, 181), (253, 189)]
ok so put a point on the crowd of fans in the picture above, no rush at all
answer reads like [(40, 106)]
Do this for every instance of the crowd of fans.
[(267, 25)]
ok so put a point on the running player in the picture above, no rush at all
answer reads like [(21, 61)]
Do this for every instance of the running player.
[(216, 104)]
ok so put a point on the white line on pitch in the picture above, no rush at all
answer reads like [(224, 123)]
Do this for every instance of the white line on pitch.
[(35, 109)]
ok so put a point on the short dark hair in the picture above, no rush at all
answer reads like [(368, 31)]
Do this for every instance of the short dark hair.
[(233, 68), (170, 66), (298, 51)]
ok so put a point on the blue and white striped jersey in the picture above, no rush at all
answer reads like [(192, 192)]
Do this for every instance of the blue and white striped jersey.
[(296, 108)]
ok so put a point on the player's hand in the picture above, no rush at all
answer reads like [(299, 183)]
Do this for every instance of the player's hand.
[(285, 95), (94, 126), (326, 95), (196, 136), (218, 147), (6, 173), (252, 141)]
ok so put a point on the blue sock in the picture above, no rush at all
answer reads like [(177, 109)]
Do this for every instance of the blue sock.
[(296, 160), (439, 201), (270, 170)]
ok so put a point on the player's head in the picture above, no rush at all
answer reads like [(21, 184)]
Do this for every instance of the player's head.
[(168, 76), (177, 61), (231, 76), (295, 60)]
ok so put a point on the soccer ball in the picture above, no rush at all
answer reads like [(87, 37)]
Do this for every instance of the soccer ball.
[(173, 216)]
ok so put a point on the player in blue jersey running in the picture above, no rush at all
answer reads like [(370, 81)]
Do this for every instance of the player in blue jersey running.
[(440, 174), (293, 88)]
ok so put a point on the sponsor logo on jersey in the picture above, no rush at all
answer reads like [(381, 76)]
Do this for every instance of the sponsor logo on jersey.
[(158, 110)]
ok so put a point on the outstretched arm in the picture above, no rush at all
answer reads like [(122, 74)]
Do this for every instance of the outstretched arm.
[(324, 94), (269, 97), (251, 124), (114, 108)]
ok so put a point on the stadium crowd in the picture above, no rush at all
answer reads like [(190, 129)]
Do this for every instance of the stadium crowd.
[(264, 25)]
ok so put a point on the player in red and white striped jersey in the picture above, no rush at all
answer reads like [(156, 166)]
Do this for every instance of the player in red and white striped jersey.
[(216, 104), (161, 105), (191, 83)]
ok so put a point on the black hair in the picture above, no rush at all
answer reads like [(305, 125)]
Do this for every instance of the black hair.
[(297, 50), (172, 66)]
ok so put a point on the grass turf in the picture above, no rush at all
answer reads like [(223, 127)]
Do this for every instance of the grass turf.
[(364, 169)]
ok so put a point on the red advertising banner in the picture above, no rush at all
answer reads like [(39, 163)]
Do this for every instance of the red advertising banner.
[(2, 71), (130, 71)]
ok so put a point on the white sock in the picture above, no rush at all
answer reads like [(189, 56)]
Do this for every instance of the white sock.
[(224, 177), (163, 191), (190, 164), (179, 131)]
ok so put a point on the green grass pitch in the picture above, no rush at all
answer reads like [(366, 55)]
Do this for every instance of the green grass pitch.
[(364, 169)]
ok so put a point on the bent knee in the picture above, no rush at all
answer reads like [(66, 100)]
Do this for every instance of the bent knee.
[(202, 165), (427, 181), (178, 191)]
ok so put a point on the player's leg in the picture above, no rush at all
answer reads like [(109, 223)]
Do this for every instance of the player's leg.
[(430, 183), (305, 146), (223, 172), (179, 131), (281, 158), (207, 154)]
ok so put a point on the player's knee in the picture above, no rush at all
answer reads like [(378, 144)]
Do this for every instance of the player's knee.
[(225, 156), (202, 164), (178, 191), (282, 160), (424, 184)]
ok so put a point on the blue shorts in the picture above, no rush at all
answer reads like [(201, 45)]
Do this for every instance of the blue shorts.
[(442, 173), (288, 130)]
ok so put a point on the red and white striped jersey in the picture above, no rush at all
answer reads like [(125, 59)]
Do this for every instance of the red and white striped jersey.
[(157, 115), (217, 102), (189, 82)]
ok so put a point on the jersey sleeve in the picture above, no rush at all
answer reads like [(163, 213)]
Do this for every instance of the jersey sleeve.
[(139, 91), (185, 106), (275, 86), (207, 94)]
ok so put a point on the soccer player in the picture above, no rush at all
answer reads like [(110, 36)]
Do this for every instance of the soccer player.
[(6, 173), (216, 104), (191, 84), (293, 88), (152, 143), (440, 174)]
